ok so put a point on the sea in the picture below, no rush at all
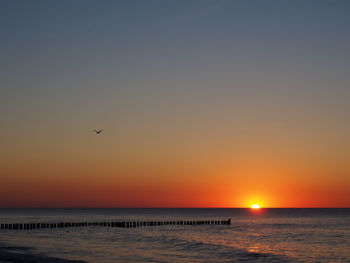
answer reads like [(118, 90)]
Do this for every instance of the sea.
[(264, 235)]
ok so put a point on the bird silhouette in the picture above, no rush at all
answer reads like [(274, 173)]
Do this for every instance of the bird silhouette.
[(98, 132)]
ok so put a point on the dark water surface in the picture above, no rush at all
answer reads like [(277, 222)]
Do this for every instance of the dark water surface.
[(267, 235)]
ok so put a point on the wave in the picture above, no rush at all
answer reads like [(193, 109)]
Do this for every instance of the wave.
[(8, 255), (201, 251)]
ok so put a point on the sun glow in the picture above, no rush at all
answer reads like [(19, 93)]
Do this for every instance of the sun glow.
[(255, 206)]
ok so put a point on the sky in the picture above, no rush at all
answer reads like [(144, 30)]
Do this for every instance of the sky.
[(203, 103)]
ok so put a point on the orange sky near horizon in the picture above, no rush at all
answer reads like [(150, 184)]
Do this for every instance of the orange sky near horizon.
[(104, 192), (126, 166), (106, 177)]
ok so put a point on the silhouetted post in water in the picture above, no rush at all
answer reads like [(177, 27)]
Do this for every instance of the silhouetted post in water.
[(17, 226)]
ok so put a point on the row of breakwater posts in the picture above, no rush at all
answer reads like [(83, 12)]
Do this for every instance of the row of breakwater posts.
[(125, 224)]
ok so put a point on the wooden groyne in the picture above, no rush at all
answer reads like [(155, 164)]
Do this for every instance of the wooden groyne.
[(125, 224)]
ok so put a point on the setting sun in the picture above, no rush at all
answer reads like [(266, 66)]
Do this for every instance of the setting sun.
[(255, 206)]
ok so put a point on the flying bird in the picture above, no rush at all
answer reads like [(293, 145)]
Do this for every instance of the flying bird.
[(98, 132)]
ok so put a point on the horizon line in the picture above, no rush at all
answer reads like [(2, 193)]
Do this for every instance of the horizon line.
[(121, 207)]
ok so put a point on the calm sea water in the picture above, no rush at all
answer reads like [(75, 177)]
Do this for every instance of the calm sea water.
[(270, 235)]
